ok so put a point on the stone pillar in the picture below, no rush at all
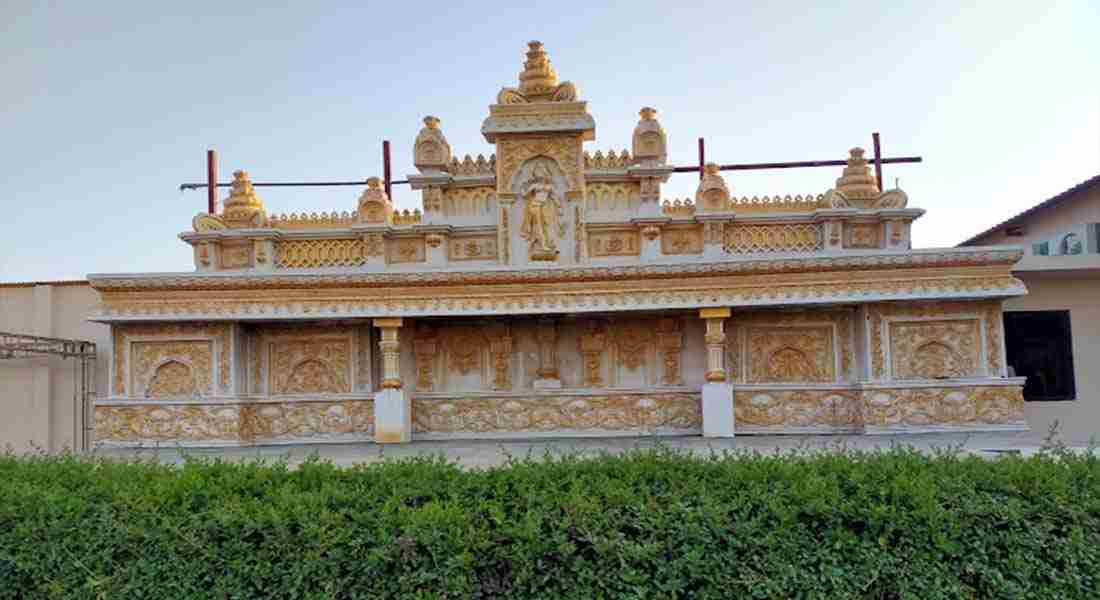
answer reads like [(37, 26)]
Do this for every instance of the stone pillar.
[(392, 412), (718, 417), (548, 356)]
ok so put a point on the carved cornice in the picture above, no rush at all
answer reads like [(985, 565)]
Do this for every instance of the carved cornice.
[(353, 278)]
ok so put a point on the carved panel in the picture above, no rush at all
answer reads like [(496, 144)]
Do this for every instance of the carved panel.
[(232, 423), (632, 340), (513, 152), (989, 311), (468, 202), (787, 237), (790, 354), (152, 352), (464, 346), (472, 248), (405, 250), (309, 364), (682, 240), (611, 196), (935, 349), (838, 409), (172, 368), (944, 406), (670, 342), (312, 254), (236, 256), (863, 235), (592, 342), (623, 242), (620, 412)]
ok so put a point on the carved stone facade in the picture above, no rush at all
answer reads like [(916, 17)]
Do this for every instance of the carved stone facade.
[(545, 289)]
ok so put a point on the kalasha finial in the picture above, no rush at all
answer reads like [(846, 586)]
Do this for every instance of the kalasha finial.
[(856, 181), (431, 122), (711, 168), (374, 183), (648, 113)]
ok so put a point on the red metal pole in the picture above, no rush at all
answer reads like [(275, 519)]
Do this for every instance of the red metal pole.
[(211, 181), (702, 158), (878, 160), (386, 167)]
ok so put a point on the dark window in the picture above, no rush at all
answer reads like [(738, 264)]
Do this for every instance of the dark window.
[(1040, 347)]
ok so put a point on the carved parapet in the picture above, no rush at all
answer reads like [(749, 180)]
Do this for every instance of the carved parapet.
[(788, 203), (712, 195), (374, 204), (323, 220), (649, 142), (407, 217), (609, 162), (678, 208), (470, 166)]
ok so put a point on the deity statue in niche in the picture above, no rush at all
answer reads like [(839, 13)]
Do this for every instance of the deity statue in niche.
[(542, 215)]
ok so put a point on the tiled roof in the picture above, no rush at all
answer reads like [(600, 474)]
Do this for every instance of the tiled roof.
[(1048, 203)]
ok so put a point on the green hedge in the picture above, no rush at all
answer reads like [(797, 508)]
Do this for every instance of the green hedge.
[(649, 524)]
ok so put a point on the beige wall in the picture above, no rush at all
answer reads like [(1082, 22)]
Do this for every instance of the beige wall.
[(37, 404), (1078, 419), (1083, 207)]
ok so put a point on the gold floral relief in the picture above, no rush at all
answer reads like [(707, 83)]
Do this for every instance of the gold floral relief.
[(618, 412), (989, 310), (632, 339), (245, 423), (405, 250), (147, 357), (944, 406), (236, 256), (791, 354), (464, 346), (173, 378), (863, 235), (614, 243), (512, 152), (935, 349), (472, 248), (797, 408), (682, 240), (309, 365)]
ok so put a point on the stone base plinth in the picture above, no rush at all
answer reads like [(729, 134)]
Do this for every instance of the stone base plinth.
[(392, 417), (718, 410)]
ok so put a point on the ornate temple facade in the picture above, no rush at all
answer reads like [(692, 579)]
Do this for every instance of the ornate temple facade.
[(550, 291)]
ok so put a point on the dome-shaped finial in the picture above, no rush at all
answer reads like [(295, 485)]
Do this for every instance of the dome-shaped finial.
[(857, 182)]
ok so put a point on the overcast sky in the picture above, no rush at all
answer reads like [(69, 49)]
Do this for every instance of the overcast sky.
[(108, 106)]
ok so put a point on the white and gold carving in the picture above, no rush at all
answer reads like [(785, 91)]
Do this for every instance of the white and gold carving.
[(164, 369), (542, 224), (611, 196), (649, 142), (786, 237), (712, 195), (431, 152), (682, 240), (390, 346), (612, 413), (464, 345), (374, 205), (592, 343), (406, 250), (426, 347), (565, 151), (863, 235), (310, 362), (472, 248), (790, 354), (322, 220), (715, 339), (632, 339), (670, 343), (619, 242), (547, 336), (762, 409), (943, 406), (469, 201), (471, 167), (236, 256), (935, 349), (243, 208), (319, 253), (500, 356)]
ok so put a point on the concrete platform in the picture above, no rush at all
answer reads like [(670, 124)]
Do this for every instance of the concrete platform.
[(488, 453)]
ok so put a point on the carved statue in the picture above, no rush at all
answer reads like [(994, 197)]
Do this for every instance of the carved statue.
[(542, 218)]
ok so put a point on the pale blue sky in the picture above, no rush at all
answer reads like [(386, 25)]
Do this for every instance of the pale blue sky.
[(108, 106)]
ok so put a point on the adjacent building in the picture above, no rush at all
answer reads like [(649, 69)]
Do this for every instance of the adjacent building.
[(1053, 333)]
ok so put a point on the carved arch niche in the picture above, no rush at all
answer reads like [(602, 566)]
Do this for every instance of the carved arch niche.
[(935, 349), (564, 223), (308, 359), (172, 378), (178, 368)]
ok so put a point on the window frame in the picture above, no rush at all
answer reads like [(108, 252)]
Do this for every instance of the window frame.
[(1063, 316)]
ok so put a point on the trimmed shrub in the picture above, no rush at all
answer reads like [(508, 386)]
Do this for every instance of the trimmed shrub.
[(647, 524)]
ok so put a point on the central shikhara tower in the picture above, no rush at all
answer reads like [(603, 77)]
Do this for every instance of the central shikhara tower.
[(547, 291)]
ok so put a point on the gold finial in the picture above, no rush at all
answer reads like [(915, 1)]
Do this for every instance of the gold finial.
[(647, 113), (431, 122), (243, 207), (538, 77), (374, 183), (857, 182), (711, 168)]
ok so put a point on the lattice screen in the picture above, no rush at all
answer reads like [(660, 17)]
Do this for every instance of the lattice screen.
[(797, 237), (306, 254)]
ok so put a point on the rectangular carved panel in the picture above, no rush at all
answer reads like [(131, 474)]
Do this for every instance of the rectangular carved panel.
[(787, 237), (124, 372), (962, 406), (311, 254), (472, 248), (682, 240), (935, 349), (863, 235), (790, 354), (619, 412), (309, 365), (405, 250), (623, 242), (236, 256), (171, 368)]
